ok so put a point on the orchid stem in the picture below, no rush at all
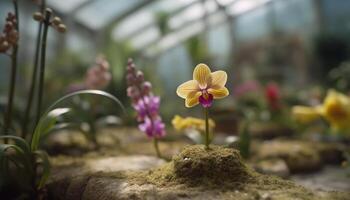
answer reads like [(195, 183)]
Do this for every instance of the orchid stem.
[(8, 116), (42, 65), (156, 147), (206, 110), (34, 76)]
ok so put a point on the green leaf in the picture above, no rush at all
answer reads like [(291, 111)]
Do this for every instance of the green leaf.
[(5, 147), (40, 128), (46, 167), (20, 142), (46, 123)]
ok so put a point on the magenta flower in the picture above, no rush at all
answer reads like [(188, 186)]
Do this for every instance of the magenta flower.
[(144, 102), (149, 105), (153, 127)]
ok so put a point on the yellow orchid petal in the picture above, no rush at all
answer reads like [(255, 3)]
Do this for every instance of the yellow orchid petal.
[(186, 88), (305, 114), (202, 75), (218, 79), (192, 99), (336, 109), (218, 93), (177, 122)]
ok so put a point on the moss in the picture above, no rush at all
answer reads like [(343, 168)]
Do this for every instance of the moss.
[(196, 166)]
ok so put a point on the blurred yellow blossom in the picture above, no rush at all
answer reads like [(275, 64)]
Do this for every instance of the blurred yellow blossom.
[(183, 123), (335, 109), (305, 114)]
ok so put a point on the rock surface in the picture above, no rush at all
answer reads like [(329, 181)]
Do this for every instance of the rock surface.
[(300, 156), (276, 167), (196, 173)]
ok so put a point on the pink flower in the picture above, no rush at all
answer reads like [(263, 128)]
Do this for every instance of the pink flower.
[(246, 87), (153, 127), (98, 76), (144, 102)]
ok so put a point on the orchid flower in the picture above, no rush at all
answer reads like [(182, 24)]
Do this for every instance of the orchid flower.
[(335, 110), (146, 105), (204, 88)]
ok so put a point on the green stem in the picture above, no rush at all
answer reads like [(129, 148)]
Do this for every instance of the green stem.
[(34, 76), (42, 65), (156, 147), (8, 116), (207, 140)]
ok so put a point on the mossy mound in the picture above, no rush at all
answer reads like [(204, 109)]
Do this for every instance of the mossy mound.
[(196, 165), (218, 164)]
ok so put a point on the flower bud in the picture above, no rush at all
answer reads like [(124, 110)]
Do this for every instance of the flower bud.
[(132, 92), (140, 77), (4, 46), (48, 11), (146, 87), (8, 27), (56, 21), (37, 16), (61, 28), (130, 61), (12, 37), (130, 69), (130, 79)]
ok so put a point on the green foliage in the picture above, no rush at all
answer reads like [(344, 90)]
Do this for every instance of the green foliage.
[(339, 77), (162, 20), (49, 118), (197, 49), (22, 164), (244, 140), (23, 167)]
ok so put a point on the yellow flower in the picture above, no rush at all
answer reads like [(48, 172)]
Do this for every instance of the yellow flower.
[(204, 87), (336, 109), (305, 114), (181, 123)]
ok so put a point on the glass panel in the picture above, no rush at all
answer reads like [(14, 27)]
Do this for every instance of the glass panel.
[(65, 6), (294, 15), (253, 24), (241, 6), (98, 14)]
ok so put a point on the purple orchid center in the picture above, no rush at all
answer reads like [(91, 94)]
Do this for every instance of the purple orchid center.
[(206, 99)]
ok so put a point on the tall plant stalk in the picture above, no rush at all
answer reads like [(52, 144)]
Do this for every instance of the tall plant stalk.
[(8, 116), (156, 147), (34, 76), (46, 24), (207, 140)]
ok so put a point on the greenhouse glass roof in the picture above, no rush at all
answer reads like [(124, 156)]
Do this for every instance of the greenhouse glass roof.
[(136, 21)]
